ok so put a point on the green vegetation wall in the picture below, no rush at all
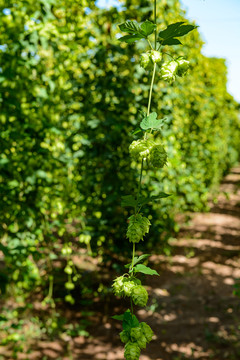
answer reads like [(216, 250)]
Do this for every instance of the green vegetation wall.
[(68, 111)]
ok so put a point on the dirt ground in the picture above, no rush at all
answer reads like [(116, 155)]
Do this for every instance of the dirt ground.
[(191, 309)]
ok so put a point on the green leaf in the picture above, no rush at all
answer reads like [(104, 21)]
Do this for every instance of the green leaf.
[(136, 131), (171, 42), (118, 317), (130, 38), (129, 320), (145, 270), (136, 31), (147, 28), (168, 35), (151, 122), (128, 200), (146, 200), (131, 27), (137, 259)]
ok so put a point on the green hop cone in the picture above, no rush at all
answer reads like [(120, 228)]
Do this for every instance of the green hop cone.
[(145, 61), (132, 351), (127, 287), (118, 284), (139, 295), (137, 228), (158, 156), (183, 66), (147, 331), (124, 336), (140, 149), (169, 70), (156, 56), (142, 342), (136, 333)]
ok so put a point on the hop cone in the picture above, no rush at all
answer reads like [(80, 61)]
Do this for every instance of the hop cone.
[(118, 285), (145, 61), (139, 296), (142, 342), (132, 351), (169, 70), (140, 149), (147, 331), (156, 56), (158, 156), (124, 336), (128, 287), (136, 333), (183, 66), (137, 228)]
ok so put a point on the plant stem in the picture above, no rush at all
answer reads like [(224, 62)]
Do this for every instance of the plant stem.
[(133, 255), (151, 88), (155, 22)]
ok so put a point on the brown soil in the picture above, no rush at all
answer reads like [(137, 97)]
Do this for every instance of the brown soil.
[(191, 309)]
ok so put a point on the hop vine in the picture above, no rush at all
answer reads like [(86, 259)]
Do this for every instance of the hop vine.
[(150, 153)]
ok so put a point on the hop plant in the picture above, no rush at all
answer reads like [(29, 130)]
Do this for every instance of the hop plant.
[(140, 149), (139, 296), (132, 351), (137, 228), (183, 66), (158, 156), (169, 70), (147, 331), (124, 336), (148, 59)]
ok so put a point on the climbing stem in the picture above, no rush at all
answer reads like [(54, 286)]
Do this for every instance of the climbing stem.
[(151, 89), (155, 22), (133, 255)]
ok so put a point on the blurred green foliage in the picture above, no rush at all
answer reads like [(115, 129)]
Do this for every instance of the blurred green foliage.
[(71, 96)]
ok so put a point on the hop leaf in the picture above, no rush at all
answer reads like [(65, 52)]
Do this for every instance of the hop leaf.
[(124, 336), (137, 228), (169, 70), (140, 149), (147, 331), (158, 156), (139, 296), (132, 351), (183, 66)]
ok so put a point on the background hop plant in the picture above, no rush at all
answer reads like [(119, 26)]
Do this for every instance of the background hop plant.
[(169, 70), (158, 156), (140, 149), (132, 351), (139, 296), (137, 228), (183, 66)]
